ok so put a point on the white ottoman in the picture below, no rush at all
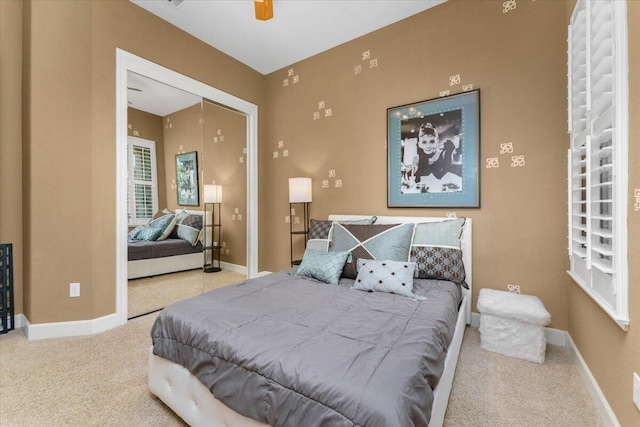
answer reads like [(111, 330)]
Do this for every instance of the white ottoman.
[(513, 324)]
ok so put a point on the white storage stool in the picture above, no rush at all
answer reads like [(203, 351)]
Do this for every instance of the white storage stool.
[(513, 324)]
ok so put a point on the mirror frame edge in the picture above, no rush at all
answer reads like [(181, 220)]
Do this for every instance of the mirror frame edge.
[(125, 62)]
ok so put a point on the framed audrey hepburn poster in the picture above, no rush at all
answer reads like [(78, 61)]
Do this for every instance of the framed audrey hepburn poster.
[(433, 153)]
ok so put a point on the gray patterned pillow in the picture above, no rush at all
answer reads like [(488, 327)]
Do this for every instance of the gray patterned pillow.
[(323, 266), (189, 228), (377, 241), (386, 276), (437, 252)]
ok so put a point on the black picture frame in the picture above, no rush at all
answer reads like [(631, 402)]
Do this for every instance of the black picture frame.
[(433, 153), (187, 187)]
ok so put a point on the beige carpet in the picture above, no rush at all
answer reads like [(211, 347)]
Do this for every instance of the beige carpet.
[(101, 380), (153, 293)]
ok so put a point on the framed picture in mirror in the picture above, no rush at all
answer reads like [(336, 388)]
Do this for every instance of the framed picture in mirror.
[(187, 179)]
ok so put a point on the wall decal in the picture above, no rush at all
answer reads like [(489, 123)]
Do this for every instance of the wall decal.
[(325, 183), (444, 92), (506, 148), (136, 133), (508, 6), (338, 183), (366, 58), (291, 76), (293, 211), (467, 88), (322, 106), (129, 126), (636, 194), (332, 173), (517, 161), (454, 80), (277, 154), (296, 220), (287, 219), (451, 215), (493, 162), (241, 160)]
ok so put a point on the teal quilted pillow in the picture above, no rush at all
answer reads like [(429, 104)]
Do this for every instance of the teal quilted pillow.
[(149, 233), (164, 222), (323, 266)]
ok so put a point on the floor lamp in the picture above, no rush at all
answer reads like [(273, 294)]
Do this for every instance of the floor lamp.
[(299, 193), (213, 198)]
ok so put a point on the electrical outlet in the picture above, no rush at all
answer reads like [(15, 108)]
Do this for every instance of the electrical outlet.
[(636, 390), (74, 290), (514, 288)]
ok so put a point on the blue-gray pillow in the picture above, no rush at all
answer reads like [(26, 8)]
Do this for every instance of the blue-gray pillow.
[(394, 277), (134, 233), (376, 241), (149, 233), (323, 266), (164, 222)]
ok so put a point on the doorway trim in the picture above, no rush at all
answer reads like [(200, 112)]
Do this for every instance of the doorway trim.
[(125, 62)]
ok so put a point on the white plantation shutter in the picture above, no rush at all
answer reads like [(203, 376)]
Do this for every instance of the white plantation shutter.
[(143, 185), (597, 157)]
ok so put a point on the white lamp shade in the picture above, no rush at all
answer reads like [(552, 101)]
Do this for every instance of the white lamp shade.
[(299, 190), (213, 193)]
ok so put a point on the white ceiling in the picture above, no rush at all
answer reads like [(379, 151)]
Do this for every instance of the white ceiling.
[(155, 97), (299, 28)]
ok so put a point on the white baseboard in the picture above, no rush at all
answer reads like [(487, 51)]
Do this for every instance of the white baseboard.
[(263, 273), (599, 400), (40, 331), (554, 336), (241, 269)]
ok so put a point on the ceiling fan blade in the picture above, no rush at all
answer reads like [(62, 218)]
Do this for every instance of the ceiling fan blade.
[(264, 9)]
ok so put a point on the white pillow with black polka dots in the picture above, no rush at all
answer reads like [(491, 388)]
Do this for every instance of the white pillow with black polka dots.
[(394, 277)]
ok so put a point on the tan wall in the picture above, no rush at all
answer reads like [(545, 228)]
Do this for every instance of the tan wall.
[(182, 134), (69, 99), (612, 354), (225, 136), (520, 67), (11, 138), (149, 126)]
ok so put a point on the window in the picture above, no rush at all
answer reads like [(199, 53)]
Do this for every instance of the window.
[(597, 158), (142, 181)]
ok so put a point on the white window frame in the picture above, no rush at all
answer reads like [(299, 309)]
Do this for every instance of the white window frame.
[(131, 211), (609, 291)]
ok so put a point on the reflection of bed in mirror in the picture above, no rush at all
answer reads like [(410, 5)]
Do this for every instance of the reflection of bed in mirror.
[(151, 258)]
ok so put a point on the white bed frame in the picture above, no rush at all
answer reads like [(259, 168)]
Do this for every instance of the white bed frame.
[(172, 264), (191, 400)]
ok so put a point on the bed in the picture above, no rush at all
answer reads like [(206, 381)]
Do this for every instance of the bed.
[(380, 342), (152, 258)]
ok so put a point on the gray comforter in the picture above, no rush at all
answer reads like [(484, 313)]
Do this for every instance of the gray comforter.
[(291, 351)]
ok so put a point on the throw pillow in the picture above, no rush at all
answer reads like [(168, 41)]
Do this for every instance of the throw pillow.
[(189, 228), (385, 276), (376, 241), (437, 252), (134, 233), (165, 222), (323, 266), (319, 232), (149, 233)]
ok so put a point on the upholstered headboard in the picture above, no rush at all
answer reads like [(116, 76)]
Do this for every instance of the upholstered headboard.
[(466, 242)]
